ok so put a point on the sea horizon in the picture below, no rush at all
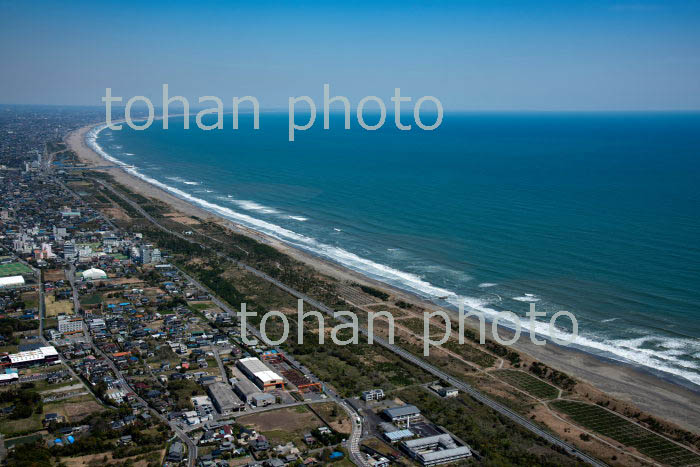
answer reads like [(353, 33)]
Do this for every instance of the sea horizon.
[(403, 251)]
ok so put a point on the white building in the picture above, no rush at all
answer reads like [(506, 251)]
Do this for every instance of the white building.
[(41, 355), (260, 373), (68, 324), (373, 395), (94, 274), (11, 281)]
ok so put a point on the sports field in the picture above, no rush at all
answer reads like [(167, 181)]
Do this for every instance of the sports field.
[(14, 269)]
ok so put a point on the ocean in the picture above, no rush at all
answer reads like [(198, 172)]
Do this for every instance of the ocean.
[(597, 214)]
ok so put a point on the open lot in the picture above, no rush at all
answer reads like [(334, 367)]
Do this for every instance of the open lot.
[(57, 307), (283, 425), (53, 275)]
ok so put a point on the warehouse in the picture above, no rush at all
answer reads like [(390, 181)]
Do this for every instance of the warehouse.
[(245, 389), (223, 398), (31, 357), (260, 374)]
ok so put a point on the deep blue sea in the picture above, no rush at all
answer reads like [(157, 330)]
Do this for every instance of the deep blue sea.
[(593, 213)]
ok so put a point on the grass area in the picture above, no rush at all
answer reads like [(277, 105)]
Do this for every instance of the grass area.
[(93, 299), (23, 425), (21, 440), (528, 383), (201, 306), (55, 308), (31, 300), (14, 269), (335, 416), (609, 424)]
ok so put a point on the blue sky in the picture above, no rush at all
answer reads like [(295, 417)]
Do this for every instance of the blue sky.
[(490, 55)]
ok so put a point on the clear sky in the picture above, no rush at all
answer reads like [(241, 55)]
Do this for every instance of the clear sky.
[(479, 55)]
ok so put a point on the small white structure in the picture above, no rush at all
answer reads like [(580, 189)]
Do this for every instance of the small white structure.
[(11, 281), (94, 274)]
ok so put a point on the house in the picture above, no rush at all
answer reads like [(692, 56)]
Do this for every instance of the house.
[(260, 444), (448, 392), (274, 462), (176, 452), (52, 417)]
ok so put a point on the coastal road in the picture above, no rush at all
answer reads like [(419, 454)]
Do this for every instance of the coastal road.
[(417, 361)]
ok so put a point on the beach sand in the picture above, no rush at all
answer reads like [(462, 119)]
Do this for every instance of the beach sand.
[(648, 392)]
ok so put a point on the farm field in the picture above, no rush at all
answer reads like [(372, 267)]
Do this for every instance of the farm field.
[(625, 432), (528, 383)]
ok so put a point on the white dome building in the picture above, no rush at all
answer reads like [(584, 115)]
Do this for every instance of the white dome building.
[(94, 274)]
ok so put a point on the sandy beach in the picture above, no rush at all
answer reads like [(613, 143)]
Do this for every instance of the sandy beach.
[(652, 394)]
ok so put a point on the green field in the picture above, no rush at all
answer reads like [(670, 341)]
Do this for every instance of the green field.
[(528, 383), (623, 431), (14, 269)]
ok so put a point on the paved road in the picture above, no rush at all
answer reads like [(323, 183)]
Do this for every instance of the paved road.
[(222, 370), (498, 407)]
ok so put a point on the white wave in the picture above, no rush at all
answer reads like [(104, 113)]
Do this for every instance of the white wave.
[(529, 298), (129, 154), (610, 320), (487, 284), (298, 218), (253, 206), (337, 229), (628, 351), (623, 350), (182, 180)]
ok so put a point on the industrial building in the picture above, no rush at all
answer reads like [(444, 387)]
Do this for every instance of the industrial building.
[(31, 357), (262, 399), (435, 450), (402, 415), (223, 398), (260, 374)]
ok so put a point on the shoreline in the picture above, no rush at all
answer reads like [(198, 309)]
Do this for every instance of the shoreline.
[(652, 393)]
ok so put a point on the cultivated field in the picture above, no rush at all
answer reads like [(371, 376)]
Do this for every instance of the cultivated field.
[(625, 432), (528, 383)]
